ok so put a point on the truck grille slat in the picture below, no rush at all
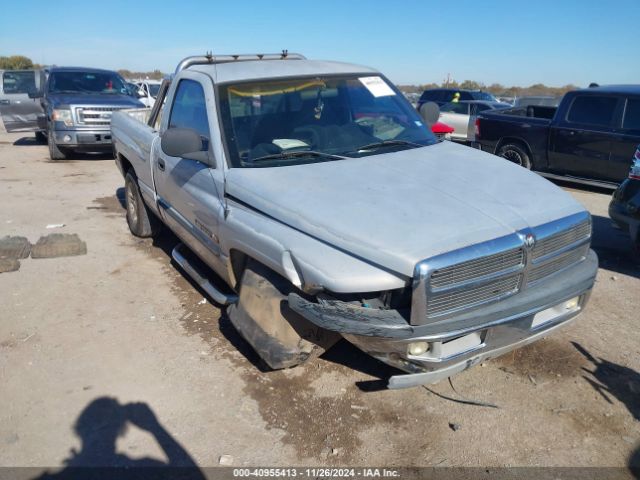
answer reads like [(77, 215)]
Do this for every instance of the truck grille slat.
[(94, 115), (464, 285), (477, 268), (560, 240), (448, 301), (558, 263)]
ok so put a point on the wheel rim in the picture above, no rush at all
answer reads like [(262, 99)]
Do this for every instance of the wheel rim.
[(513, 156), (131, 204)]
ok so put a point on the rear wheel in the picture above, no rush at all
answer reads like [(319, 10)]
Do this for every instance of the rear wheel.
[(280, 336), (142, 222), (55, 152), (515, 153)]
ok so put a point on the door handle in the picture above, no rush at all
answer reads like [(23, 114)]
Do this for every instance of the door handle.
[(5, 102), (572, 132), (161, 164)]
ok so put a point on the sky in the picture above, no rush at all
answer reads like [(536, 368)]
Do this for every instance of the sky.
[(514, 42)]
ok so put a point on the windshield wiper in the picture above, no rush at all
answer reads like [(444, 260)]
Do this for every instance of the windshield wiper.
[(297, 154), (388, 143)]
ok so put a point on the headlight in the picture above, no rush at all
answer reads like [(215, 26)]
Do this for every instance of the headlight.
[(63, 116)]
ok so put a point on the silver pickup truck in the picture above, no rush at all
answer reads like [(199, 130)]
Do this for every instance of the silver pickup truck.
[(314, 201)]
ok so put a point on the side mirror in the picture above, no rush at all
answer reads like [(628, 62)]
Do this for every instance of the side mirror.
[(34, 93), (141, 93), (430, 112), (186, 143)]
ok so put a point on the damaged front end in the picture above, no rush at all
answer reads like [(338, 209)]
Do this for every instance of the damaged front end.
[(470, 305)]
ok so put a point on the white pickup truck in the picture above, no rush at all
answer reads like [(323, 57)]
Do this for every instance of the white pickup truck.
[(312, 199)]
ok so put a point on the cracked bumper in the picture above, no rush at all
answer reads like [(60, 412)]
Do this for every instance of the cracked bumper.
[(461, 342)]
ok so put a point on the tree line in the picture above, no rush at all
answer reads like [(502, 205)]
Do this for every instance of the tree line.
[(496, 88), (20, 62)]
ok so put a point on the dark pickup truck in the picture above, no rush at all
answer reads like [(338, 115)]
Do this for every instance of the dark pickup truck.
[(589, 138)]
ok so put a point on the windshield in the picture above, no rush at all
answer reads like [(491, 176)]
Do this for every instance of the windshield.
[(274, 122), (87, 82), (483, 96)]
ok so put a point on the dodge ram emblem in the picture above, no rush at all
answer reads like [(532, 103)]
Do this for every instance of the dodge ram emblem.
[(529, 241)]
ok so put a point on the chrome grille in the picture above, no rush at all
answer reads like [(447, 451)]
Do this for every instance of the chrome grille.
[(560, 240), (454, 282), (478, 268), (448, 301), (557, 263), (94, 115)]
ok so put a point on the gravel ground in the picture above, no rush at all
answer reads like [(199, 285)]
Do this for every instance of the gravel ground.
[(90, 344)]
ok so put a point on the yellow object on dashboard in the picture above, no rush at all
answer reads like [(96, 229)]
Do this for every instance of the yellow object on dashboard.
[(275, 89)]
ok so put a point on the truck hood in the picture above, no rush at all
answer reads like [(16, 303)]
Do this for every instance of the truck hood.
[(111, 100), (399, 208)]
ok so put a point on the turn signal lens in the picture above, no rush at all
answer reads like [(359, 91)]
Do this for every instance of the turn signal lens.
[(572, 304), (417, 348)]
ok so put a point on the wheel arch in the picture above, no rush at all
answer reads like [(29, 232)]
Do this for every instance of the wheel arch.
[(517, 141)]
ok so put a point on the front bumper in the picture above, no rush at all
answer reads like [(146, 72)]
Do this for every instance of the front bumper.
[(90, 139), (459, 342)]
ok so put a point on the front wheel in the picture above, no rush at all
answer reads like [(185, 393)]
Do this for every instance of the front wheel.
[(55, 152), (515, 153), (142, 222)]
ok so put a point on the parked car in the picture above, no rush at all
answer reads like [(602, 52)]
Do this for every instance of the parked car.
[(20, 112), (589, 138), (312, 199), (541, 100), (442, 130), (624, 208), (445, 95), (147, 91), (78, 103), (462, 116)]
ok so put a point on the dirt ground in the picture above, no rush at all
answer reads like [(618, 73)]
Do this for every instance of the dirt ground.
[(88, 341)]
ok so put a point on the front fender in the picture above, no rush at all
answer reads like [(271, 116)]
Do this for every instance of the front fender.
[(307, 262)]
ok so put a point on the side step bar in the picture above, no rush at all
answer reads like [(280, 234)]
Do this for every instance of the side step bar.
[(200, 278)]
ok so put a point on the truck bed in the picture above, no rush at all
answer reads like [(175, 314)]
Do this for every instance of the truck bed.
[(133, 138), (528, 126)]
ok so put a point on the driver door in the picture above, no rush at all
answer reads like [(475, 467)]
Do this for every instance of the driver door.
[(189, 191), (19, 112)]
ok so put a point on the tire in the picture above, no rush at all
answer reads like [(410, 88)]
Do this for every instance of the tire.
[(142, 222), (55, 152), (41, 137), (515, 153), (280, 336)]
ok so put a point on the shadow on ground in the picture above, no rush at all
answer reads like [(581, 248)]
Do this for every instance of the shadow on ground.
[(613, 247), (28, 142), (100, 425), (610, 379)]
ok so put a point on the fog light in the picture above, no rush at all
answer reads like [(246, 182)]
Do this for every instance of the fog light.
[(66, 138), (572, 304), (417, 348)]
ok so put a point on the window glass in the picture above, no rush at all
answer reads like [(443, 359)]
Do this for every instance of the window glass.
[(481, 107), (189, 108), (592, 110), (455, 107), (632, 115), (87, 82), (274, 122), (18, 82)]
